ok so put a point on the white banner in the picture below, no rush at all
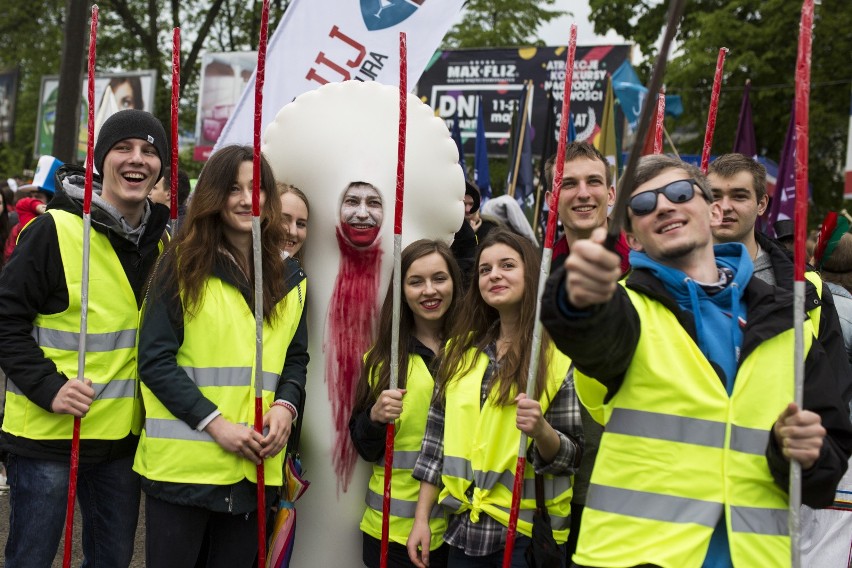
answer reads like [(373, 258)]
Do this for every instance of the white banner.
[(327, 41)]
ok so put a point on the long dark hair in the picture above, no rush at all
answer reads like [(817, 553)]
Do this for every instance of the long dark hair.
[(477, 326), (201, 239), (377, 360)]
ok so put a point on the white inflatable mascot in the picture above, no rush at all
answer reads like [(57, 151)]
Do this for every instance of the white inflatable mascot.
[(338, 144)]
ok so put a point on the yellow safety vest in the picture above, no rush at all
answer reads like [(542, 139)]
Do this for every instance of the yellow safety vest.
[(406, 447), (481, 453), (113, 320), (218, 354), (678, 453)]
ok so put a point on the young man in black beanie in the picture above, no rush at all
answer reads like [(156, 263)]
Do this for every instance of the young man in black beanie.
[(39, 331)]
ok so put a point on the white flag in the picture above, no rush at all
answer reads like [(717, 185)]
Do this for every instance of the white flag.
[(327, 41)]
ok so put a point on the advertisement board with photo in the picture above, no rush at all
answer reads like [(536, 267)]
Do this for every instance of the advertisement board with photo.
[(113, 92)]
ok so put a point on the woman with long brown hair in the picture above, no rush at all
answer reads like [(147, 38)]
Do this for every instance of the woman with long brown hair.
[(480, 408), (198, 453), (432, 290)]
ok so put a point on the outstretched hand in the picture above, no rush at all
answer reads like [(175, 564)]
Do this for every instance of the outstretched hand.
[(592, 271)]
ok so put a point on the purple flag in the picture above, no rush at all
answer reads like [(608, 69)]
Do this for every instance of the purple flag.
[(744, 141), (782, 203)]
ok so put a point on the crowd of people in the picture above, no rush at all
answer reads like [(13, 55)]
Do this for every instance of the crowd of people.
[(660, 426)]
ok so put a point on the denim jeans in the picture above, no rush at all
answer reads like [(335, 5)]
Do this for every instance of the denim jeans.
[(108, 494)]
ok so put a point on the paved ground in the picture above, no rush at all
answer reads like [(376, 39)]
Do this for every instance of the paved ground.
[(77, 554)]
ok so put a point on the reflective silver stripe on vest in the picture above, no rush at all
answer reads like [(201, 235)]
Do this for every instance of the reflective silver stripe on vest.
[(270, 381), (116, 388), (401, 459), (398, 507), (749, 440), (554, 486), (654, 506), (228, 377), (667, 427), (557, 523), (95, 342), (759, 521), (457, 467), (12, 387), (176, 430)]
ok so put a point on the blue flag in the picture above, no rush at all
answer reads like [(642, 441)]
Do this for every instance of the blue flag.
[(481, 173), (456, 134), (630, 93)]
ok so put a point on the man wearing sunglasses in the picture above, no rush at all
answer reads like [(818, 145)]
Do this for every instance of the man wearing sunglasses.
[(689, 365)]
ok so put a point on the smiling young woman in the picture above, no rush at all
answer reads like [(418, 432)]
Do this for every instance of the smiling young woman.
[(196, 457), (479, 410), (432, 293)]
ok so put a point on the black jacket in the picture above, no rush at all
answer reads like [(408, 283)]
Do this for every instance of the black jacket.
[(160, 338), (602, 344), (830, 334), (33, 282)]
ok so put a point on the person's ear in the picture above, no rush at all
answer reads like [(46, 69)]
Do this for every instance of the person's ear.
[(762, 204), (633, 242)]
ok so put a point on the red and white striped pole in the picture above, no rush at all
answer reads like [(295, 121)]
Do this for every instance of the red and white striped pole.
[(84, 289), (547, 254), (260, 75), (397, 287), (800, 230)]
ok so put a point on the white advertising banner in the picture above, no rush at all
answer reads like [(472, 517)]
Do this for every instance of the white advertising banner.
[(327, 41)]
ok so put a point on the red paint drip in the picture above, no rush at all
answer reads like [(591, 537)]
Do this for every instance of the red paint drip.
[(175, 103), (559, 167), (714, 108), (349, 334)]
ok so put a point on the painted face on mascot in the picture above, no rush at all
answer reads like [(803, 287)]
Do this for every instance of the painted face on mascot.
[(361, 213), (317, 144)]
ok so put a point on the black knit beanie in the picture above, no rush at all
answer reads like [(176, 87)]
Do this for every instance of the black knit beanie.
[(131, 123)]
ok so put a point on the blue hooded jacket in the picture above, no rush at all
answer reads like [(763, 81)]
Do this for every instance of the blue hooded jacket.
[(719, 317)]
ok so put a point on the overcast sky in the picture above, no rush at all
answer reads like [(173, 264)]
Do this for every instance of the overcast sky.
[(557, 31)]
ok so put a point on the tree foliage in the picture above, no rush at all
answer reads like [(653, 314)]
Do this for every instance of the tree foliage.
[(132, 35), (762, 36), (500, 23)]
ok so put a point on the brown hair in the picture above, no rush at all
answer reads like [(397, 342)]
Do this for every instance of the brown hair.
[(574, 150), (201, 240), (729, 165), (284, 188), (477, 326), (376, 362)]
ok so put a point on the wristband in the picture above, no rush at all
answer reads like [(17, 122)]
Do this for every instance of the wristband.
[(288, 406)]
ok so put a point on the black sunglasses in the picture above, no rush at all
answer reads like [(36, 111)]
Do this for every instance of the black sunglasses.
[(679, 191)]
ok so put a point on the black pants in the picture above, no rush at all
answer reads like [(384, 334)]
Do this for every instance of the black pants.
[(175, 534), (398, 554)]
